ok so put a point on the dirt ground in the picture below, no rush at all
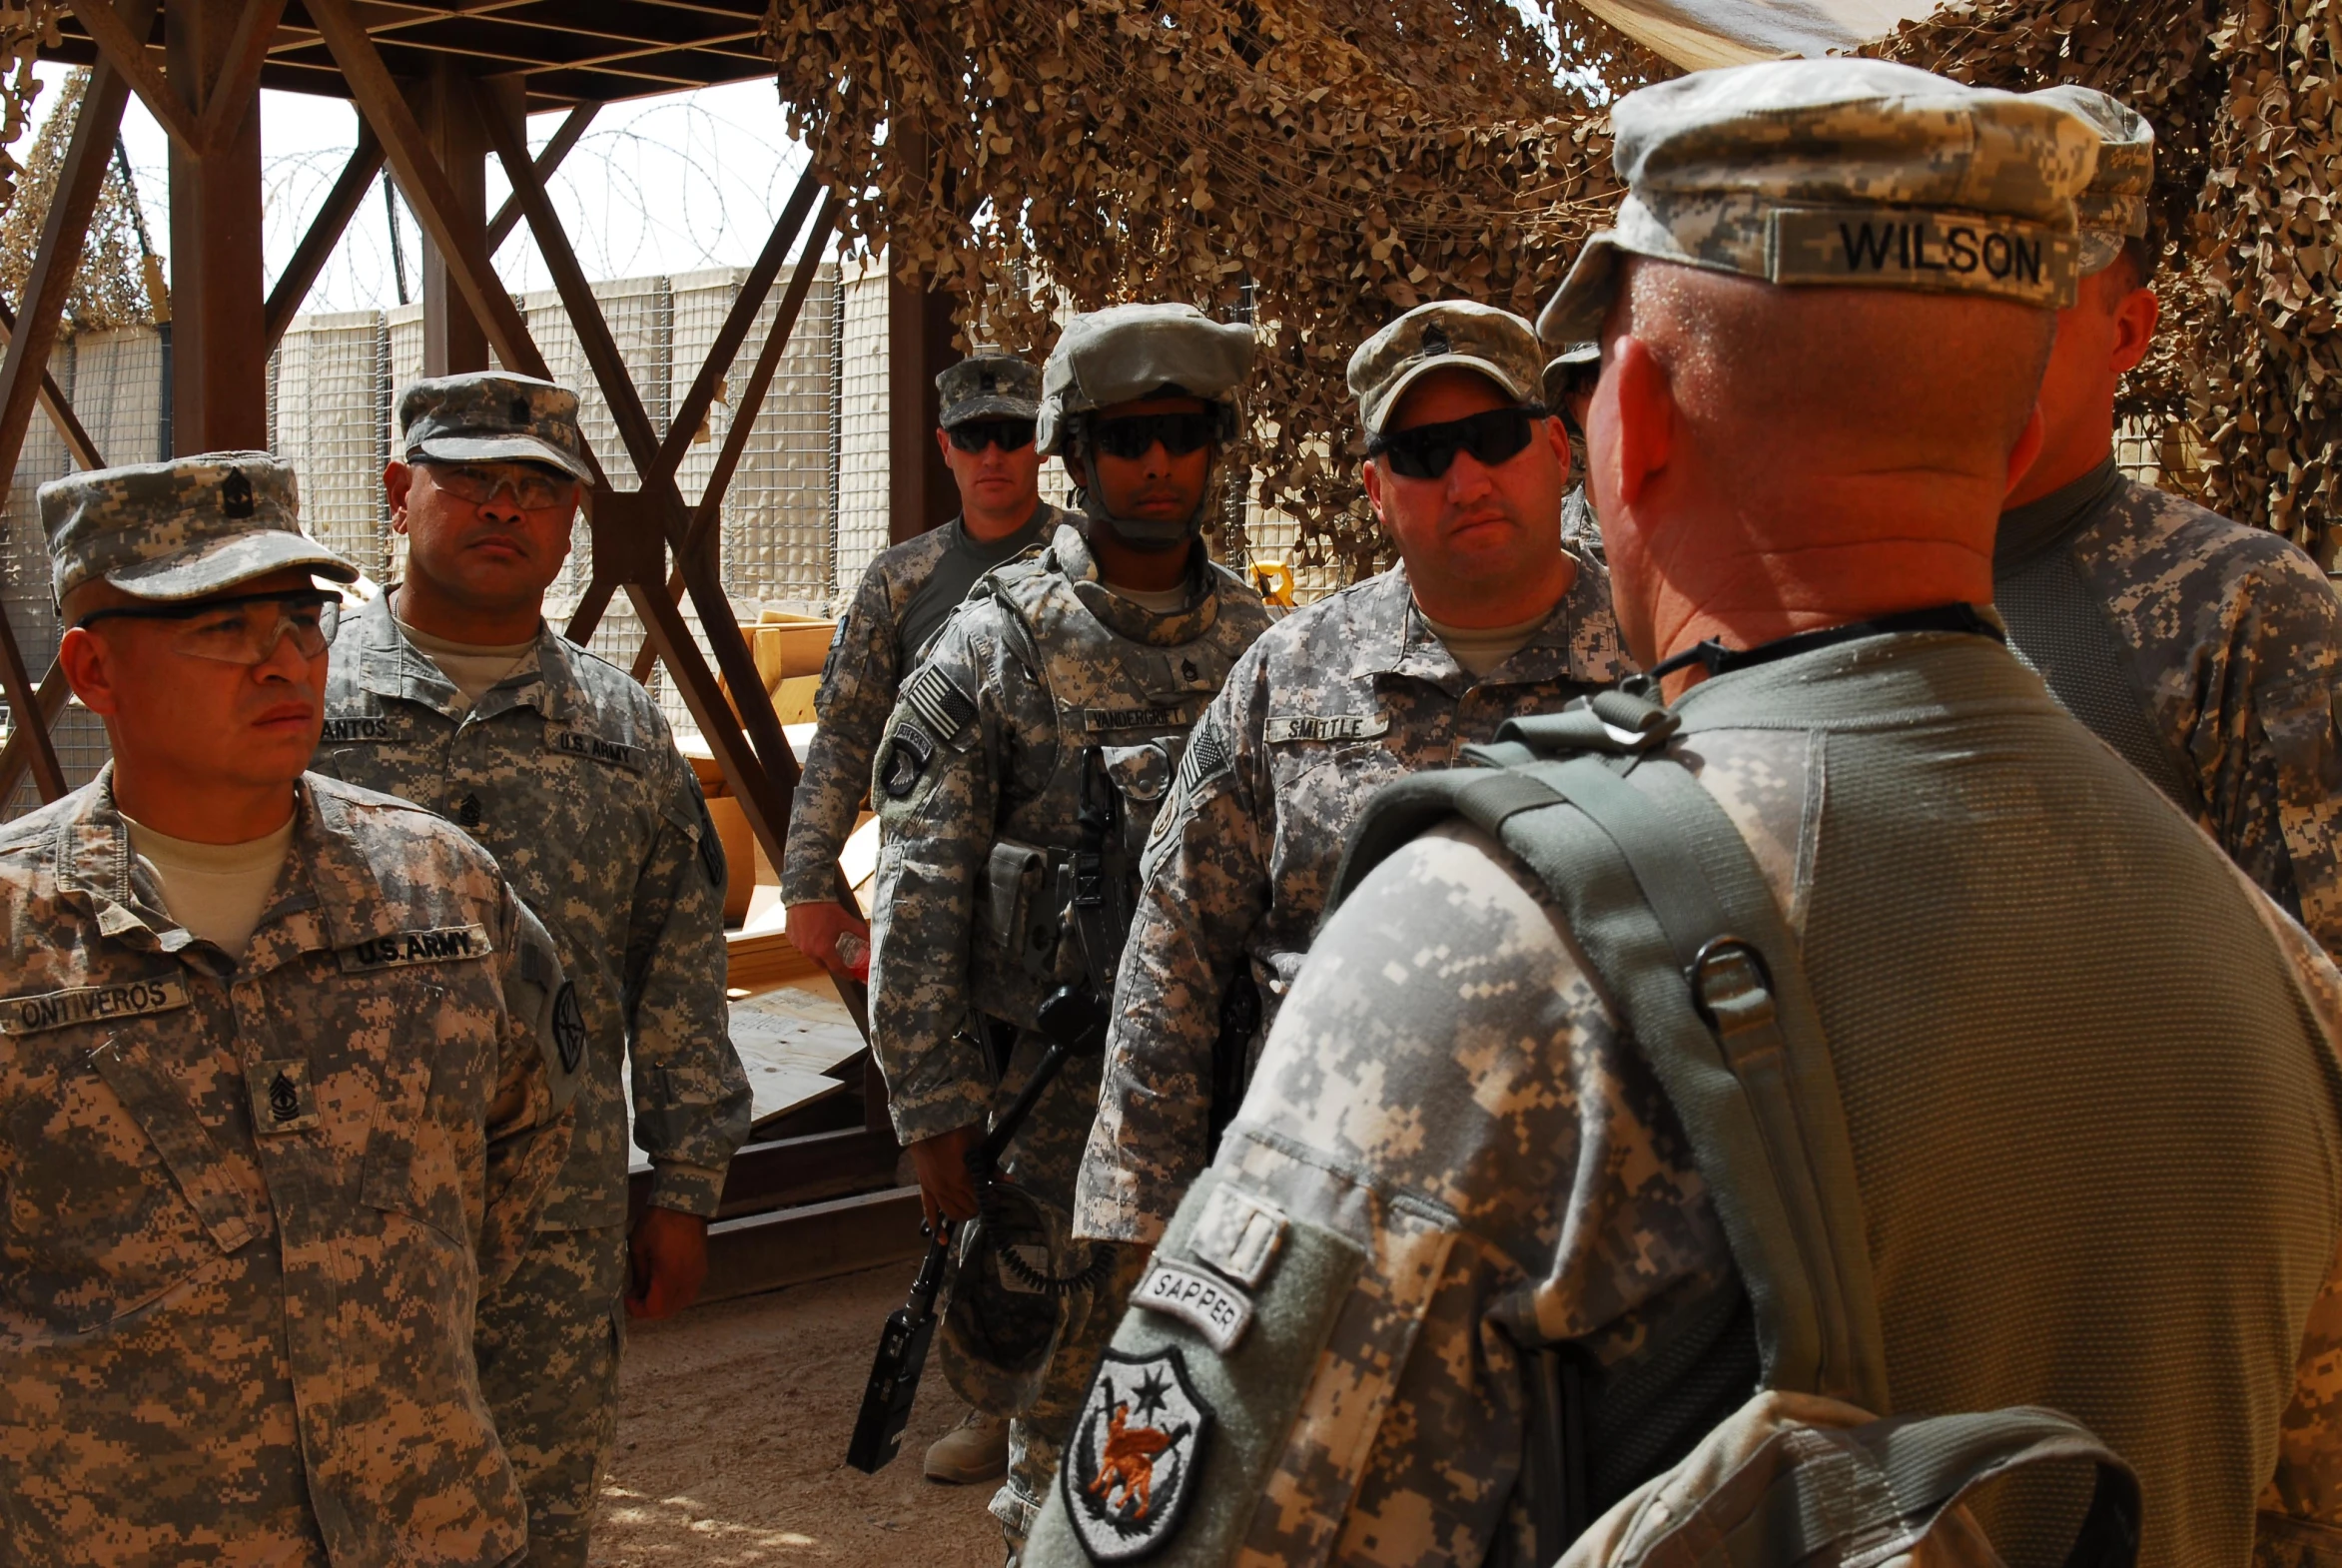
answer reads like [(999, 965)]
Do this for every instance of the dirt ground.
[(732, 1429)]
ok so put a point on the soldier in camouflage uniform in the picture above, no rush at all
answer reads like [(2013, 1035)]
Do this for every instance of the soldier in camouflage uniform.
[(989, 401), (285, 1076), (2090, 1073), (1338, 699), (1569, 392), (2204, 651), (1066, 682), (450, 691)]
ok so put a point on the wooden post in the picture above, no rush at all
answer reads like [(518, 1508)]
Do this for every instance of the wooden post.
[(454, 338), (219, 360), (920, 491)]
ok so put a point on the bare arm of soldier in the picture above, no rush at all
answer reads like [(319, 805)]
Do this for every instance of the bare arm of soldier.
[(1205, 885), (530, 1120), (937, 780), (857, 694), (1462, 1155)]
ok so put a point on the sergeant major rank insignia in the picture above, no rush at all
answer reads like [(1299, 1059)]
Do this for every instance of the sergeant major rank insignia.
[(1129, 1470)]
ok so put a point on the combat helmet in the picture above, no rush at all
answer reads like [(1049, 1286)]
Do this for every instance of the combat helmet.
[(1128, 352)]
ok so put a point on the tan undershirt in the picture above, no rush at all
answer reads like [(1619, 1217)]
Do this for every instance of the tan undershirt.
[(217, 891), (1481, 650), (1169, 601), (472, 666)]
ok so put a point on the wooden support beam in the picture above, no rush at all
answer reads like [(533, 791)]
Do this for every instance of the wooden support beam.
[(56, 259), (24, 740), (453, 118), (234, 92), (218, 362), (425, 184), (565, 136), (684, 427), (60, 411), (709, 511), (324, 232), (122, 45)]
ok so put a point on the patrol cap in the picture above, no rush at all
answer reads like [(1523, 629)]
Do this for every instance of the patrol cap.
[(1842, 173), (1566, 366), (989, 385), (1446, 335), (1127, 351), (179, 530), (493, 417), (2115, 208)]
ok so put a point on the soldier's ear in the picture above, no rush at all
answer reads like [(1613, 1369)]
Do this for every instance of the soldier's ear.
[(398, 479), (89, 666)]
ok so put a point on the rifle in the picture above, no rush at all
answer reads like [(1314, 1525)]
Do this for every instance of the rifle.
[(1075, 1021)]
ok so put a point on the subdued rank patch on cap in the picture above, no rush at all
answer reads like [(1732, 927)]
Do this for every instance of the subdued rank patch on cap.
[(1446, 335), (989, 385), (2114, 207), (493, 417), (1750, 168), (1131, 1467), (181, 529)]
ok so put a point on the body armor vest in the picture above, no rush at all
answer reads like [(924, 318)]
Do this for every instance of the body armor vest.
[(1061, 881)]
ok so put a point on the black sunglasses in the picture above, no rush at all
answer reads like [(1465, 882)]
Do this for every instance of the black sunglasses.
[(1007, 435), (1425, 451), (1133, 436)]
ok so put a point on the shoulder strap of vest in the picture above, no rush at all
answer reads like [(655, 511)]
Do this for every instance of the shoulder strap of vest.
[(1673, 911), (1872, 1493)]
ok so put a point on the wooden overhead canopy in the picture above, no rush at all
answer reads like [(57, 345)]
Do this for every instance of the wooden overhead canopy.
[(571, 51)]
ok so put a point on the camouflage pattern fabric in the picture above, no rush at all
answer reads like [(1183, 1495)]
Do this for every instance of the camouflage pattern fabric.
[(566, 773), (548, 1341), (1338, 698), (1442, 334), (252, 1197), (986, 745), (1450, 1099), (1839, 172), (181, 529), (2235, 637), (988, 386), (1580, 531), (866, 665), (493, 417), (990, 749)]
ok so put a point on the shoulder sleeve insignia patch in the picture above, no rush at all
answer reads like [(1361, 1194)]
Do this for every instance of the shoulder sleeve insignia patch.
[(1133, 1458), (906, 759), (940, 706), (568, 1027)]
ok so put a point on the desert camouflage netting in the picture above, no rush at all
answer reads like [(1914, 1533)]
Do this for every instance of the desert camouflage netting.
[(1326, 163), (26, 25), (109, 288)]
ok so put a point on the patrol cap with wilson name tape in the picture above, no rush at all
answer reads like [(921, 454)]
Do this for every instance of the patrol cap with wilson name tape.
[(1446, 335), (2115, 208), (1839, 173), (491, 416), (989, 385), (179, 530)]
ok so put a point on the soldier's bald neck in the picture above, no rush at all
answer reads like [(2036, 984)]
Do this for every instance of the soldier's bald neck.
[(1769, 461)]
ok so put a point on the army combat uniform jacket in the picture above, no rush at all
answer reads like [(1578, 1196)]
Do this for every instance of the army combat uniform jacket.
[(986, 748), (566, 773), (1336, 701), (2231, 639), (252, 1197), (1453, 1149), (894, 616)]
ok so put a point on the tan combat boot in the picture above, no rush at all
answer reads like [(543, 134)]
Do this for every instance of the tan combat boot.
[(975, 1450)]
